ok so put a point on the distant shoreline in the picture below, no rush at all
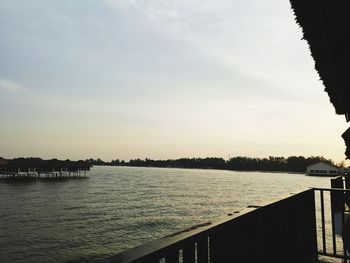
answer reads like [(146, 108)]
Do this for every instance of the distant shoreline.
[(272, 164), (291, 164), (208, 168)]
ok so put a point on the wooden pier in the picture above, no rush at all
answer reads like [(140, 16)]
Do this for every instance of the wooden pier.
[(36, 168)]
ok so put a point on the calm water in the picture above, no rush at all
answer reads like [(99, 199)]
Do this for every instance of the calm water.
[(121, 207)]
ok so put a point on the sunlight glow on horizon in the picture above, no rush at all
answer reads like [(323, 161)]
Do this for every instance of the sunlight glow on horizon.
[(118, 79)]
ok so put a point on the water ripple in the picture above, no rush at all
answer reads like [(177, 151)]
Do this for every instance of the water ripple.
[(119, 208)]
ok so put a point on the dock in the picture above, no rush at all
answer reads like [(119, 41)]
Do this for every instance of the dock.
[(36, 168)]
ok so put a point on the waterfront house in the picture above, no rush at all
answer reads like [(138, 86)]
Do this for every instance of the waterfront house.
[(322, 169), (35, 167)]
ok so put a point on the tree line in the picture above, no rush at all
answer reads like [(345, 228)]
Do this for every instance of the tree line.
[(238, 163)]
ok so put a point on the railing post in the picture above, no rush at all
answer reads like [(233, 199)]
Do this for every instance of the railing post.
[(337, 206), (324, 244)]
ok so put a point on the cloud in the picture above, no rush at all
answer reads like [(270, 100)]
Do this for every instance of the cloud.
[(9, 86)]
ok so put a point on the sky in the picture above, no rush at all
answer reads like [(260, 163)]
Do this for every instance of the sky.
[(160, 79)]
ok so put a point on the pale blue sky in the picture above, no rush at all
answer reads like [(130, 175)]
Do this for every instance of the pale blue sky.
[(160, 79)]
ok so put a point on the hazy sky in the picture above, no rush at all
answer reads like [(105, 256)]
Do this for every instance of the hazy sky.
[(160, 79)]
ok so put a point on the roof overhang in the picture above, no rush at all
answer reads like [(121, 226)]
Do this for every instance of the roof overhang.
[(326, 27)]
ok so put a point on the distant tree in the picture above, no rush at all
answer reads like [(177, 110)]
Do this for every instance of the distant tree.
[(341, 164), (115, 162), (243, 163)]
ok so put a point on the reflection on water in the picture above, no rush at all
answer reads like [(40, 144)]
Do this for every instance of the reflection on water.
[(121, 207)]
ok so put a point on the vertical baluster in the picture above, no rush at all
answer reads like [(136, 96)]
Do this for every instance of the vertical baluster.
[(323, 223), (343, 222)]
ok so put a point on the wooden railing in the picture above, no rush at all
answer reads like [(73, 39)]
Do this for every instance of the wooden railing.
[(330, 246), (279, 231), (337, 211)]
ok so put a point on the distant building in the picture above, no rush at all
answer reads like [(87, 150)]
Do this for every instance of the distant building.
[(322, 169)]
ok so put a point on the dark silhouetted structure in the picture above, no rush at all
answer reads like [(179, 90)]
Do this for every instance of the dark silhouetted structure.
[(21, 168), (326, 27)]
